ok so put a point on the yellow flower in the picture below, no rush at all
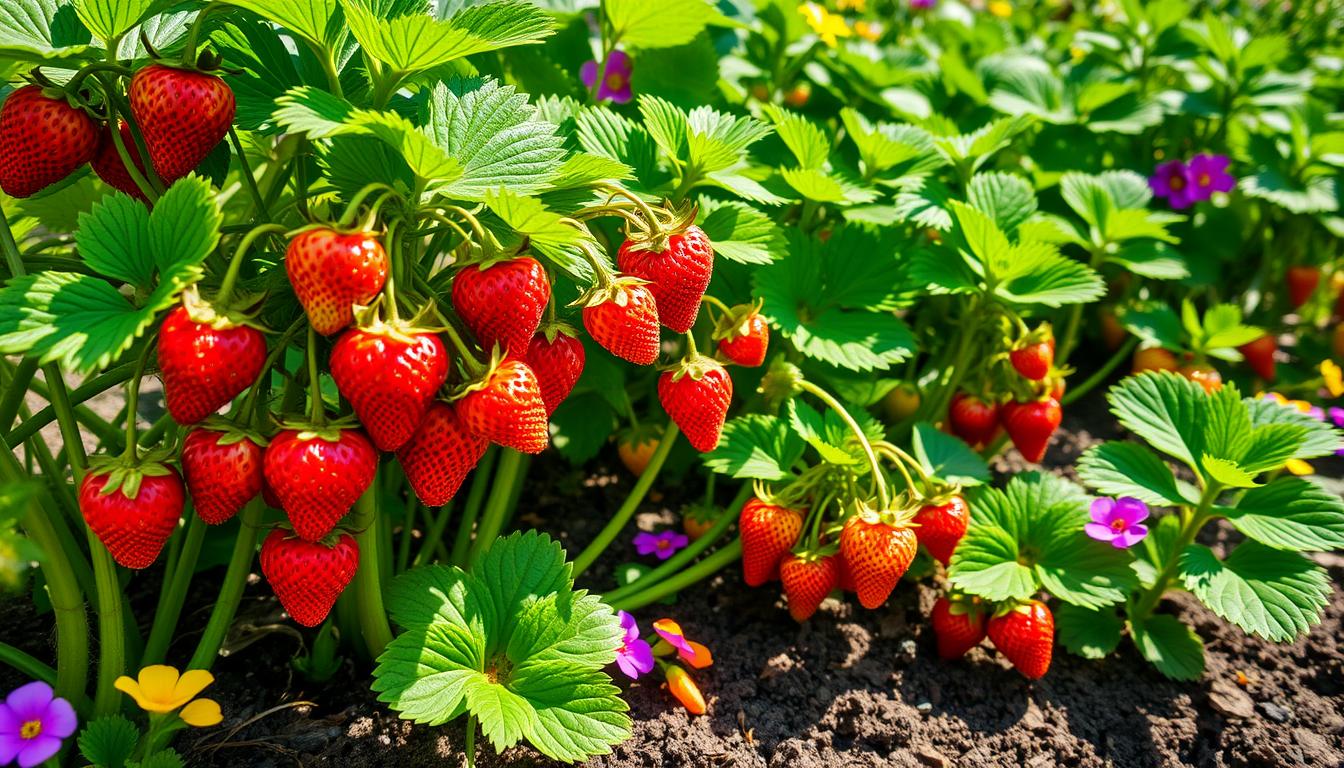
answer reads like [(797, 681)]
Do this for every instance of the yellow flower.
[(1334, 377), (868, 30), (1299, 467), (857, 6), (161, 689), (826, 25), (1001, 8), (1076, 53)]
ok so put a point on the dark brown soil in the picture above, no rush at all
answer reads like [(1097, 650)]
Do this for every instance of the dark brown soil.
[(849, 688)]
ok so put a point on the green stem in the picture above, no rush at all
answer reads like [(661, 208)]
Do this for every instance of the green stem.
[(316, 413), (685, 556), (493, 519), (470, 746), (249, 180), (1190, 525), (407, 531), (236, 263), (89, 389), (631, 503), (879, 482), (368, 587), (480, 481), (701, 570), (133, 401), (1069, 338), (19, 376), (28, 665), (170, 610), (1101, 373), (434, 536)]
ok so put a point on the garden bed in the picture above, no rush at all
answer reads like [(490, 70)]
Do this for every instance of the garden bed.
[(851, 687)]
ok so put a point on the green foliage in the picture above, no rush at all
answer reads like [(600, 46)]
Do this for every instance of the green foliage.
[(108, 742), (756, 446), (513, 643)]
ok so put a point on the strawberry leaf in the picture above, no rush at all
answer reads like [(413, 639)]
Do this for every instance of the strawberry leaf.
[(1092, 634), (1165, 410), (1007, 199), (36, 31), (581, 426), (414, 42), (947, 458), (109, 19), (1290, 513), (1269, 592), (1169, 645), (319, 22), (664, 24), (741, 233), (109, 740), (1130, 469), (1319, 438), (756, 446)]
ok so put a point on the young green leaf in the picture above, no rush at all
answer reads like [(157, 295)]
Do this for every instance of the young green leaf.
[(1129, 469), (109, 741), (1290, 513), (110, 19), (1165, 410), (756, 446), (641, 24), (1275, 594), (414, 42), (946, 457), (319, 22), (1092, 634), (1169, 645)]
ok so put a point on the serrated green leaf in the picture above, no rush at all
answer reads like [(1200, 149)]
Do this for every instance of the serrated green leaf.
[(577, 714), (517, 570), (164, 32), (1169, 645), (805, 139), (109, 741), (1008, 199), (811, 426), (1290, 513), (164, 758), (113, 238), (1151, 258), (1092, 634), (1228, 472), (320, 22), (43, 32), (923, 200), (581, 426), (741, 233), (946, 457), (1163, 409), (546, 231), (1130, 469), (667, 23), (1269, 592), (109, 19), (756, 446), (415, 42), (1319, 438), (424, 672), (262, 69), (985, 564), (1041, 275), (565, 628)]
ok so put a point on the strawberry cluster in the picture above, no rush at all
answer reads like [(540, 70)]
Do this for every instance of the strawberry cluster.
[(1028, 410), (1023, 632)]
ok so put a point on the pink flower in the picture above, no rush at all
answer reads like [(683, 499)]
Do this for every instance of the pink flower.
[(33, 723), (1208, 174), (693, 653), (615, 85), (634, 657), (664, 544), (1118, 521), (1172, 180)]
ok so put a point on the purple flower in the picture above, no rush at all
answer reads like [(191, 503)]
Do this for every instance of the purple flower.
[(664, 544), (615, 85), (922, 5), (1172, 180), (1118, 521), (33, 723), (1336, 415), (634, 657), (1208, 174)]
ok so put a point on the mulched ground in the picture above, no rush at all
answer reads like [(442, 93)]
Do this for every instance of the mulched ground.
[(849, 688)]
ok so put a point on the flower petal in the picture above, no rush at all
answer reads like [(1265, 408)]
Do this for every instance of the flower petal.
[(60, 720), (8, 723), (588, 73), (1103, 510), (1131, 510), (699, 656), (131, 688), (36, 751), (29, 701), (157, 683), (9, 747), (1130, 536), (192, 682), (201, 713), (1099, 532)]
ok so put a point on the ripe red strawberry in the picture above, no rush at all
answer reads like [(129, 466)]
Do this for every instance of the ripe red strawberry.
[(439, 455), (941, 527), (506, 408), (389, 373), (182, 114), (807, 581), (846, 579), (958, 627), (1033, 361), (557, 358), (1031, 424), (109, 167), (317, 474), (974, 420), (1302, 282), (768, 533), (308, 576), (132, 511), (878, 555), (745, 337), (678, 274), (1259, 356), (624, 320), (1025, 635), (332, 271), (223, 471), (502, 303), (42, 140), (206, 364), (696, 395)]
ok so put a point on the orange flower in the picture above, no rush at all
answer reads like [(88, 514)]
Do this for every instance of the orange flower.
[(681, 685)]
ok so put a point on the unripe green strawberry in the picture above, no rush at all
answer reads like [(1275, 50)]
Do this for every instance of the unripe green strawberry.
[(696, 394), (308, 576), (389, 372), (223, 469), (941, 527), (768, 533), (505, 407), (502, 303), (958, 627), (677, 273), (132, 511), (1025, 635), (877, 554), (333, 271), (42, 141), (439, 455), (182, 114), (807, 581), (317, 474)]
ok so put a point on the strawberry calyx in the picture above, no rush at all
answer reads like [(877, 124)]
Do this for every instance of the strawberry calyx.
[(736, 321), (329, 432), (552, 329), (126, 473), (943, 494), (1012, 606), (1041, 334), (367, 320), (231, 433), (480, 380), (961, 604), (655, 236), (819, 552), (329, 541), (615, 291), (237, 313), (695, 366)]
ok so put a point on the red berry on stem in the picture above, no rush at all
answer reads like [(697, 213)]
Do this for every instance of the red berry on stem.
[(317, 475), (958, 627), (677, 274), (696, 394), (182, 114), (1031, 425), (505, 407), (941, 527), (768, 533), (333, 271), (744, 340), (439, 455), (223, 470), (108, 165), (557, 359), (807, 581), (1025, 635), (132, 513), (206, 364), (502, 303), (972, 419), (389, 373), (624, 320), (878, 556), (308, 576), (42, 141)]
